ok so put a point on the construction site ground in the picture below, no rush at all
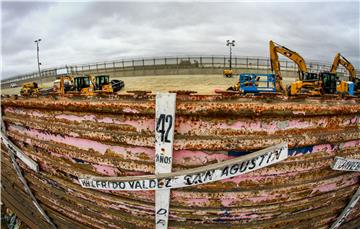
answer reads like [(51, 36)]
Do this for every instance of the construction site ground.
[(203, 84)]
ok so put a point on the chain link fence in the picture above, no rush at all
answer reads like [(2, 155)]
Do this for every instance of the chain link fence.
[(203, 65)]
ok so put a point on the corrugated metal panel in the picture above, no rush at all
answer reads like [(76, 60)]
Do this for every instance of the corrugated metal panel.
[(70, 137)]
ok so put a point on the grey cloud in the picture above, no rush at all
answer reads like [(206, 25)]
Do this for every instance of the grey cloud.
[(96, 31)]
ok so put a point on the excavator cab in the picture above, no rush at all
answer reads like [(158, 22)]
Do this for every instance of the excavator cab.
[(84, 85), (81, 82), (329, 81), (105, 85), (310, 77), (100, 81)]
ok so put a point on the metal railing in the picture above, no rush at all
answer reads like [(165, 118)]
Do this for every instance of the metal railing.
[(204, 62)]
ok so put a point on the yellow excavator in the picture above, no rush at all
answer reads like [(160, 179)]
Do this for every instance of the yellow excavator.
[(308, 83), (343, 86)]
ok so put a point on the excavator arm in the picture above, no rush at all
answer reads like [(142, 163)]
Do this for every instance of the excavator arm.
[(339, 59), (292, 55), (62, 83)]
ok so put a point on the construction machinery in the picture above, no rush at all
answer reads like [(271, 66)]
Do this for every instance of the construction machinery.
[(255, 83), (346, 87), (103, 84), (308, 83), (84, 84), (228, 73), (29, 89), (87, 85), (63, 85)]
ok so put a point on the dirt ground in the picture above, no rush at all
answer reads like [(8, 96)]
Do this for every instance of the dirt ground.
[(203, 84)]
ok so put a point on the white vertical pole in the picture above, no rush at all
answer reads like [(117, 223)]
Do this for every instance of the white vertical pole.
[(164, 139)]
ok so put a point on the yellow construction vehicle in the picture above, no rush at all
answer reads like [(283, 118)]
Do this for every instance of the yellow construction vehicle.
[(228, 73), (104, 85), (85, 85), (88, 85), (63, 84), (29, 89), (344, 87), (308, 83)]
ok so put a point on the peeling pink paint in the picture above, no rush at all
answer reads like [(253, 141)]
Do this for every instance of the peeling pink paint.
[(226, 202), (299, 112), (22, 112), (76, 118), (351, 144), (129, 110), (129, 152), (200, 202), (323, 148), (325, 188), (107, 120), (187, 157)]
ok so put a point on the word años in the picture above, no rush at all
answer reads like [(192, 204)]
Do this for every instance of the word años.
[(163, 159)]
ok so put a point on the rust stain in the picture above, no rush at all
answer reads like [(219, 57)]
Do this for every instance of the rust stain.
[(114, 136)]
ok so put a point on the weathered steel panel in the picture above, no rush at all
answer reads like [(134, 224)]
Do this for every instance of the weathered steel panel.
[(72, 137)]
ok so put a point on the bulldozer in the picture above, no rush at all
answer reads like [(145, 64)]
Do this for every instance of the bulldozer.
[(84, 84), (88, 85), (104, 85), (29, 89)]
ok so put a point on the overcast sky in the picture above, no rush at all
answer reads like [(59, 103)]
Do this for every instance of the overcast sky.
[(75, 33)]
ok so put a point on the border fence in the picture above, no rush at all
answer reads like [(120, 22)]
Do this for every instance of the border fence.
[(169, 66)]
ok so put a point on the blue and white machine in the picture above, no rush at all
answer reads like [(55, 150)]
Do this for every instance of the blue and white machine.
[(256, 83)]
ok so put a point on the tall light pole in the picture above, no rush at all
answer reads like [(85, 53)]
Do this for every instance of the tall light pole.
[(37, 51), (230, 44)]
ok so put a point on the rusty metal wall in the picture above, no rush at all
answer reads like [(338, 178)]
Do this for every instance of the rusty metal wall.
[(70, 137)]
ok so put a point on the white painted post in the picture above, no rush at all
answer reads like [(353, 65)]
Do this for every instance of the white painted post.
[(350, 165), (164, 139), (347, 210)]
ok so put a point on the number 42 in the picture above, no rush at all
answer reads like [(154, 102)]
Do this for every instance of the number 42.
[(160, 126)]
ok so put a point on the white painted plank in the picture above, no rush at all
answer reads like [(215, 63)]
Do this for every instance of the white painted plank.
[(164, 139), (345, 164), (347, 210), (191, 177), (17, 152)]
